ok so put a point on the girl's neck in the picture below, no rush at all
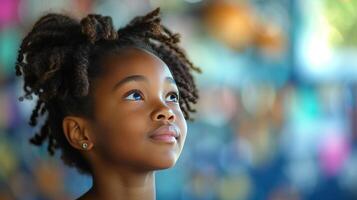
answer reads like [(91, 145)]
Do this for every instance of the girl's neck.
[(121, 184)]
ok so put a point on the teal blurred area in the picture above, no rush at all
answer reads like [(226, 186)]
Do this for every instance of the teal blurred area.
[(278, 100)]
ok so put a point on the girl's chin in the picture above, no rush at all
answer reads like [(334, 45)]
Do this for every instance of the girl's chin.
[(165, 166), (164, 163)]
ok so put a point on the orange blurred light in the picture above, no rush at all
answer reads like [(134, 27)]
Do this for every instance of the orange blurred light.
[(234, 24)]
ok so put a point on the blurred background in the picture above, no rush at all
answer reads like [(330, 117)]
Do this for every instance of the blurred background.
[(278, 108)]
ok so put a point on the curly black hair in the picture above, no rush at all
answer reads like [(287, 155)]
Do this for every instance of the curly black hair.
[(60, 57)]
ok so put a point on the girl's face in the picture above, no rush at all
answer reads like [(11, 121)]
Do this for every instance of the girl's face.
[(138, 121)]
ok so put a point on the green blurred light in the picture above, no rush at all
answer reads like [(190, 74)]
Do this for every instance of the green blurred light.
[(342, 16), (9, 41)]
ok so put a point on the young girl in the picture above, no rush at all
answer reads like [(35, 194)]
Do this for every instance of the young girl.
[(115, 102)]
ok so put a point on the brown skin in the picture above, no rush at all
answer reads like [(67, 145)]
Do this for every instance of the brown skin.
[(122, 155)]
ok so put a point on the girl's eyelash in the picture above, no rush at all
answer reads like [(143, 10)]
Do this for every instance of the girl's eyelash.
[(132, 91), (142, 96), (176, 94)]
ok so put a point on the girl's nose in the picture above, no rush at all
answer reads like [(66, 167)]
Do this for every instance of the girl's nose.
[(164, 113)]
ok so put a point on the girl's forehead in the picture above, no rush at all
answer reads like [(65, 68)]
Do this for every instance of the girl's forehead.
[(135, 61)]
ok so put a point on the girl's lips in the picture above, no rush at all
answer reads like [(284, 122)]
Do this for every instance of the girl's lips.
[(164, 138), (166, 133)]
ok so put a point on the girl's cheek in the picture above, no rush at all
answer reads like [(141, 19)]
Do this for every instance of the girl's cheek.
[(182, 122)]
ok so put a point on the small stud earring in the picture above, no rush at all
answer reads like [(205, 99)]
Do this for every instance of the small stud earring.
[(84, 145)]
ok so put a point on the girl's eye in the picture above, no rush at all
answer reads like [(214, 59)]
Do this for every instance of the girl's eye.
[(134, 96), (173, 96)]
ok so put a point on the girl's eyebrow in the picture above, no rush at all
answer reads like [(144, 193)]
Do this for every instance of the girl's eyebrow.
[(170, 80), (128, 79), (139, 78)]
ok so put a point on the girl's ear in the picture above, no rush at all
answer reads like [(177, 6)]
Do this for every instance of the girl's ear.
[(76, 130)]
